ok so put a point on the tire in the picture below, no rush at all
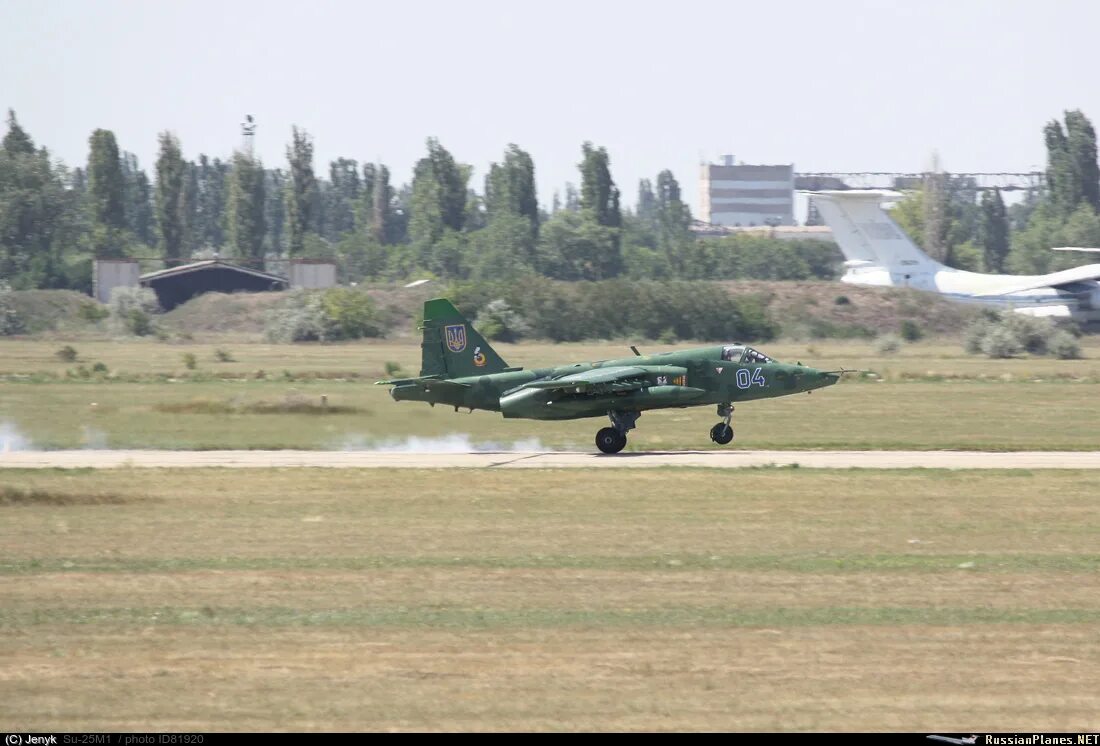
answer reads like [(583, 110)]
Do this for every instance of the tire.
[(721, 433), (609, 440)]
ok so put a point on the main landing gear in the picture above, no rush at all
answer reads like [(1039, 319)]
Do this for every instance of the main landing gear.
[(722, 433), (613, 439)]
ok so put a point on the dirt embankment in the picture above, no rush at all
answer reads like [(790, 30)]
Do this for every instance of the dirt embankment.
[(833, 309)]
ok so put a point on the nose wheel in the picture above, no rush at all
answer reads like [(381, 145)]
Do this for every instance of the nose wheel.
[(722, 433)]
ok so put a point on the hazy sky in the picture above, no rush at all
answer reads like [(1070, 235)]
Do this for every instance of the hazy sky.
[(829, 85)]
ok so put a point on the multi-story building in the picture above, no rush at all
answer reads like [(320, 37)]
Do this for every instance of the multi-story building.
[(743, 195)]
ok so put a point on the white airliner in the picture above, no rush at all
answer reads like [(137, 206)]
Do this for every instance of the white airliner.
[(879, 253)]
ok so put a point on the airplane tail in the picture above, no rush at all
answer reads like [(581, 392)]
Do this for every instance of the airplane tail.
[(451, 347), (867, 235)]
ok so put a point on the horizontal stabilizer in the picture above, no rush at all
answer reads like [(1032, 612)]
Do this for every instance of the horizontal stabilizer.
[(1052, 280)]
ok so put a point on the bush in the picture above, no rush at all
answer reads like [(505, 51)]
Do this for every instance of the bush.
[(334, 314), (132, 309), (499, 322), (300, 319), (224, 356), (190, 361), (1064, 346), (93, 312), (67, 354), (349, 314), (10, 321), (910, 330), (1007, 334), (888, 344), (100, 367), (842, 300)]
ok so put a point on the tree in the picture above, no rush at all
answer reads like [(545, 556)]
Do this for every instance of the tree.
[(600, 203), (140, 217), (511, 202), (209, 182), (275, 190), (17, 141), (343, 196), (1073, 175), (573, 247), (598, 191), (994, 231), (673, 221), (301, 191), (510, 187), (37, 215), (381, 222), (1081, 145), (438, 197), (106, 193), (172, 206), (245, 218)]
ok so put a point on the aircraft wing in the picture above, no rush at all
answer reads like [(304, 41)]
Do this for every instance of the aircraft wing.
[(615, 378), (1052, 280), (428, 383)]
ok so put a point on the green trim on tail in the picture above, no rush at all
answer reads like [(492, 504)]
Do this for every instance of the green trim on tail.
[(451, 347)]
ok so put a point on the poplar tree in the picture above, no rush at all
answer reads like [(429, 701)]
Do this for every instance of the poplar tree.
[(172, 207), (246, 208), (301, 191), (994, 230), (106, 193)]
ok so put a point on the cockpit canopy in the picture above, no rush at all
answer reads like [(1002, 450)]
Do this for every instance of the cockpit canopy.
[(743, 354)]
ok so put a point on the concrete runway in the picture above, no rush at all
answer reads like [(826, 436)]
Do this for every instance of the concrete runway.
[(550, 460)]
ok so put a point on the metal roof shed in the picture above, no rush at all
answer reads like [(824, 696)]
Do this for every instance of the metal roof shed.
[(177, 285)]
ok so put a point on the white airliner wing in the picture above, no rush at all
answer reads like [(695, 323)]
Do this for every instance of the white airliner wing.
[(1054, 279), (1073, 248)]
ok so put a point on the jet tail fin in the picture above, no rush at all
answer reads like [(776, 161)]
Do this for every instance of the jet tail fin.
[(866, 233), (451, 347)]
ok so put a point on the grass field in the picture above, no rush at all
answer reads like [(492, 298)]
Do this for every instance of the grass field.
[(931, 395), (773, 599)]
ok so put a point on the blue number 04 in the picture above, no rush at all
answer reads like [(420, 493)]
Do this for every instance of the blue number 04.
[(747, 379)]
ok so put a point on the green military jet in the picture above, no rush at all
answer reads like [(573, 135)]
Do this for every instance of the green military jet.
[(460, 369)]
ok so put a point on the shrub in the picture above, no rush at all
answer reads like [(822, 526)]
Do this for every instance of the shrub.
[(394, 370), (224, 356), (842, 300), (67, 354), (93, 312), (349, 314), (10, 321), (499, 322), (132, 309), (888, 344), (1007, 334), (139, 323), (334, 314), (910, 330), (1001, 342), (299, 319), (190, 361), (100, 367), (1064, 346)]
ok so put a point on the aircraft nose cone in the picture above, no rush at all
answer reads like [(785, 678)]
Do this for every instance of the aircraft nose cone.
[(816, 379)]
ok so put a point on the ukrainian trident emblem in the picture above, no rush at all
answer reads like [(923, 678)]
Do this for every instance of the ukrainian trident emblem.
[(456, 337)]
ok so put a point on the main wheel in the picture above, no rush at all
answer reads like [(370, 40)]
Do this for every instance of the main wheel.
[(721, 433), (610, 440)]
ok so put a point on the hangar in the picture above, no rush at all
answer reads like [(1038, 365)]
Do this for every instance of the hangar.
[(177, 285)]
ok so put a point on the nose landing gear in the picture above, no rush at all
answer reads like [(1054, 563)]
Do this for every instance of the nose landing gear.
[(722, 433)]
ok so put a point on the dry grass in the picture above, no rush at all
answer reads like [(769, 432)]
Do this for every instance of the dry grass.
[(777, 599)]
